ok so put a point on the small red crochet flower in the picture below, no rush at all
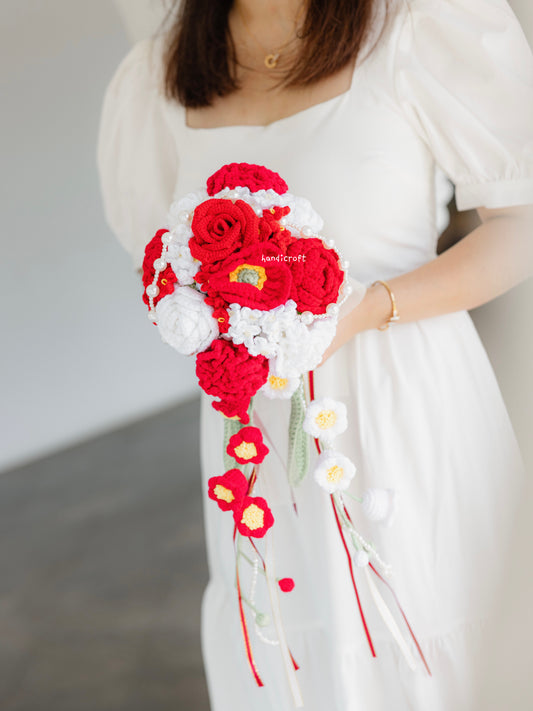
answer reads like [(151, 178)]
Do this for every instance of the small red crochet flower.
[(254, 518), (247, 446), (316, 275), (220, 227), (270, 230), (256, 277), (229, 372), (228, 490), (286, 584), (220, 312), (248, 175), (166, 279)]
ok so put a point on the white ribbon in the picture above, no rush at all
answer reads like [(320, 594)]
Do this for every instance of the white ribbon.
[(389, 620), (276, 614)]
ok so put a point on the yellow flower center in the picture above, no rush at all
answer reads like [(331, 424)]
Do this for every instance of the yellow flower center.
[(224, 494), (253, 516), (277, 383), (334, 474), (326, 419), (246, 450), (249, 274)]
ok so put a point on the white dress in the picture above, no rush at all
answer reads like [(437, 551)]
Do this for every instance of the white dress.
[(447, 92)]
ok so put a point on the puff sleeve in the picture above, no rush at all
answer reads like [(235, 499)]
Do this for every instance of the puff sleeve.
[(136, 153), (463, 76)]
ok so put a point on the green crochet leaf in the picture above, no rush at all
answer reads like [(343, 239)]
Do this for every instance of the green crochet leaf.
[(231, 427), (298, 459)]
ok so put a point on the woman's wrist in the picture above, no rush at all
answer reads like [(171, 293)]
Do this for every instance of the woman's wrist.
[(373, 311)]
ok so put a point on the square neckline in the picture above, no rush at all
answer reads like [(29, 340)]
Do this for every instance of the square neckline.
[(320, 104)]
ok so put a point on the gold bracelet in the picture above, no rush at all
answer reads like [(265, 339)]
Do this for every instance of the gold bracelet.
[(395, 316)]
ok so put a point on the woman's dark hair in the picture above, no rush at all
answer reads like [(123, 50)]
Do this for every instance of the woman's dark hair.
[(200, 58)]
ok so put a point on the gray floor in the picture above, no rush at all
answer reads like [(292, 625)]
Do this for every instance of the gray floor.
[(102, 568)]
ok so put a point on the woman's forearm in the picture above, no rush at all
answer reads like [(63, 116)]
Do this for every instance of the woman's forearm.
[(494, 257)]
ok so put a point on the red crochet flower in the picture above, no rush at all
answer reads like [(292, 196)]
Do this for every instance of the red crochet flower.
[(253, 177), (256, 277), (220, 227), (220, 312), (229, 372), (254, 518), (286, 584), (247, 446), (270, 230), (228, 490), (316, 275), (166, 279)]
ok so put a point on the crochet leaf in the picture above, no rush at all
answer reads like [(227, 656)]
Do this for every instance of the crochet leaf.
[(231, 427), (298, 460)]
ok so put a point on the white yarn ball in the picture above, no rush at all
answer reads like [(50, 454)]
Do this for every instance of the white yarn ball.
[(185, 321), (361, 559), (379, 505)]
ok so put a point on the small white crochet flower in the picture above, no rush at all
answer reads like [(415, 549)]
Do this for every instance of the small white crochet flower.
[(277, 387), (333, 471), (183, 264), (325, 418), (380, 505), (185, 321)]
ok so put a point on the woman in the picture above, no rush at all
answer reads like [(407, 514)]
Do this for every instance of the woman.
[(363, 112)]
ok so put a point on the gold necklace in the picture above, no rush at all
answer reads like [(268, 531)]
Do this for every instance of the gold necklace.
[(272, 58)]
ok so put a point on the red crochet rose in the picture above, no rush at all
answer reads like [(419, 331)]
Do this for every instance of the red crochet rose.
[(220, 227), (228, 490), (247, 446), (229, 372), (246, 175), (316, 275), (254, 518), (166, 279), (270, 230), (256, 277)]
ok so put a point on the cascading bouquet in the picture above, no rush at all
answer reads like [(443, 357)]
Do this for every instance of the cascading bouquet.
[(242, 279)]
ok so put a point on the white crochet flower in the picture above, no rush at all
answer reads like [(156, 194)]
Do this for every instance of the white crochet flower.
[(183, 264), (325, 418), (301, 347), (185, 321), (333, 471), (380, 505), (184, 205), (277, 388)]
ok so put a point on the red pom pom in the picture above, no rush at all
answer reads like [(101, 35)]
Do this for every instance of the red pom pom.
[(316, 275), (254, 518), (167, 279), (246, 175), (220, 227), (286, 584)]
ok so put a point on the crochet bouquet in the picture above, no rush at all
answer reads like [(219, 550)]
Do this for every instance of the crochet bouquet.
[(242, 280)]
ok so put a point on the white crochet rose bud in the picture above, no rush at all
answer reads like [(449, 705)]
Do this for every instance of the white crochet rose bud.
[(185, 321), (380, 505)]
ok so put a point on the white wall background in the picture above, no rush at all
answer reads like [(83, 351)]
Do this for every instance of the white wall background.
[(78, 354)]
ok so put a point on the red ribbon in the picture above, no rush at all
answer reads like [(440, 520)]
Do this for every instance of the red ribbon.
[(341, 534)]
